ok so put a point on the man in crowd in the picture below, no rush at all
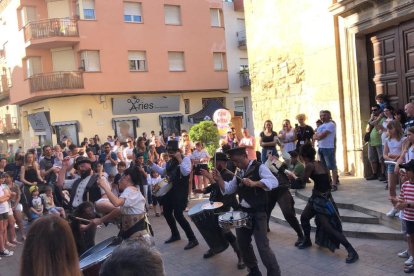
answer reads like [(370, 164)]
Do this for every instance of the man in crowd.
[(109, 160), (375, 150), (409, 111), (47, 170), (326, 135)]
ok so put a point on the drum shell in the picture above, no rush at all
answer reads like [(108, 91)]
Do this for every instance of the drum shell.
[(92, 259), (206, 222)]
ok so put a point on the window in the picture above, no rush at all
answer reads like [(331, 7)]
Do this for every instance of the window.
[(137, 61), (33, 66), (187, 106), (132, 12), (86, 9), (90, 61), (176, 61), (172, 15), (28, 14), (215, 17), (219, 61)]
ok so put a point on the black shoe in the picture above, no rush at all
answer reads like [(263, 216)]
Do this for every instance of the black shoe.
[(210, 253), (305, 244), (173, 239), (352, 257), (241, 265), (381, 178), (299, 241), (191, 244), (254, 271), (372, 177), (334, 188)]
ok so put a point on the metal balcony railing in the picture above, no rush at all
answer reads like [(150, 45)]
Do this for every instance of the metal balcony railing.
[(56, 80), (4, 84), (244, 78), (54, 27), (241, 37), (8, 125)]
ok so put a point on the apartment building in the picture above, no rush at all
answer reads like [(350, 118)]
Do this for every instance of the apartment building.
[(86, 67)]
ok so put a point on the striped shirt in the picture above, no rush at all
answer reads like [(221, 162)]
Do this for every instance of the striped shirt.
[(407, 194)]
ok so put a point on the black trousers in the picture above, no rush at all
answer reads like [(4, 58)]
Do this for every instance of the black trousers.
[(259, 231), (286, 203), (173, 213)]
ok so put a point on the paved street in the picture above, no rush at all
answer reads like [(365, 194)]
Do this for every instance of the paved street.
[(377, 257)]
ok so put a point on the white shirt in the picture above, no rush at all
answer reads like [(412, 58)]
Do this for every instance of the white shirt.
[(395, 146), (152, 181), (4, 206), (185, 167), (197, 155), (78, 199), (134, 202), (329, 141), (266, 177), (128, 151)]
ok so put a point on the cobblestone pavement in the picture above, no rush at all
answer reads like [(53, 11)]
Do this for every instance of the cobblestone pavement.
[(377, 257)]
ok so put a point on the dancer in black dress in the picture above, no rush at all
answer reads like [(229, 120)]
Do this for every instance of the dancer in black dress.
[(322, 206)]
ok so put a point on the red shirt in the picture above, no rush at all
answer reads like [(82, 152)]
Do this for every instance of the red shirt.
[(407, 194)]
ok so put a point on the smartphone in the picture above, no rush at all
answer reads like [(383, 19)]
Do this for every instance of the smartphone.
[(198, 168), (269, 152)]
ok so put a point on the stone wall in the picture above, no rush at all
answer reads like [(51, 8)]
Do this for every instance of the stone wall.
[(292, 62)]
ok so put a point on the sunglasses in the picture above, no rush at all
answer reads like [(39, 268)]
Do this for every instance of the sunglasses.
[(374, 110)]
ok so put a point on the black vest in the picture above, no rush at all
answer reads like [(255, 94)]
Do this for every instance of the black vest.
[(179, 181), (92, 188), (254, 196)]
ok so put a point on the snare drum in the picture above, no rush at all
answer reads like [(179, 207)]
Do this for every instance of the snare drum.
[(161, 188), (206, 222), (234, 219), (92, 259)]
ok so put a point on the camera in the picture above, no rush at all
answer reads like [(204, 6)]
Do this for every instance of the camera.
[(198, 167)]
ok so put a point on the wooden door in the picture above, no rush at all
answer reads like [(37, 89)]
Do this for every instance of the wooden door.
[(391, 64)]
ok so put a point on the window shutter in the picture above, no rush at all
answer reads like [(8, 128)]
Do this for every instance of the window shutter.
[(132, 8), (218, 61), (172, 15), (88, 4), (215, 17), (176, 61), (136, 55)]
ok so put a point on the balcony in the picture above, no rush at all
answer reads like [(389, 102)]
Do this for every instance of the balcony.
[(4, 87), (238, 5), (50, 33), (8, 126), (244, 79), (241, 37), (56, 81)]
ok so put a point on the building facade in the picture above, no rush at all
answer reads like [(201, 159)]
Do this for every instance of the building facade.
[(335, 55), (86, 67)]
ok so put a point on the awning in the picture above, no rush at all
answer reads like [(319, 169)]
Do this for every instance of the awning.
[(65, 123), (122, 119), (173, 115), (208, 110)]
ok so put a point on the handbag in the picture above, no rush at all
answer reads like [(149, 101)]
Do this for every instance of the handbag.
[(368, 134)]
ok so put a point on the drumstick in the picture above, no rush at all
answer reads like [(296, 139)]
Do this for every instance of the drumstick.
[(232, 173), (80, 219)]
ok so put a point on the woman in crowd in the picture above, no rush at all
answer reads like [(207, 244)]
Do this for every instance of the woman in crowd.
[(401, 117), (231, 139), (249, 143), (200, 156), (153, 154), (17, 208), (186, 147), (322, 206), (50, 249), (268, 141), (29, 175), (392, 152), (287, 136)]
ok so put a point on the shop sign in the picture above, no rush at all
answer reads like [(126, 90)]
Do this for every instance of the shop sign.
[(139, 105)]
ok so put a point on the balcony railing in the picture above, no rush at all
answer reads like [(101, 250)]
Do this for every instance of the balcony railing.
[(54, 27), (4, 84), (56, 81), (244, 78), (8, 125), (241, 37)]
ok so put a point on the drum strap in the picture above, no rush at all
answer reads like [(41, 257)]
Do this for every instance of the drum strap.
[(143, 224)]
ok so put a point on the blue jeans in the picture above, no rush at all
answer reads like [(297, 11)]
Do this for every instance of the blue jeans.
[(265, 152), (327, 157)]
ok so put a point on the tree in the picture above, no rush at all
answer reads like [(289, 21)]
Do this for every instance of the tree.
[(207, 133)]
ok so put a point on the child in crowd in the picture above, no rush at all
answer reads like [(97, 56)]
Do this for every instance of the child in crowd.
[(154, 178), (58, 156), (121, 168), (405, 202), (4, 215), (9, 224), (36, 204), (392, 152), (16, 206), (50, 206)]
